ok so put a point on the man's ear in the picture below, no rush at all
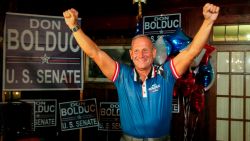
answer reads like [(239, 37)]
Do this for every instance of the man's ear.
[(154, 52), (131, 54)]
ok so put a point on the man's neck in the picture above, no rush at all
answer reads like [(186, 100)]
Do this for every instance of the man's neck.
[(143, 73)]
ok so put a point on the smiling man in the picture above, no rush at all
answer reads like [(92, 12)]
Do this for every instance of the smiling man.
[(145, 94)]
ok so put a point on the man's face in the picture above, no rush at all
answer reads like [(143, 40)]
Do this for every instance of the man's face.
[(142, 53)]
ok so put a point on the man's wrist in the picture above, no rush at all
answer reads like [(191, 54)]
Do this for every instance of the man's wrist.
[(75, 28), (208, 22)]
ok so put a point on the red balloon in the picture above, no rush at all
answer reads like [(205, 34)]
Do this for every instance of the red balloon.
[(198, 99), (209, 50), (186, 84), (175, 91)]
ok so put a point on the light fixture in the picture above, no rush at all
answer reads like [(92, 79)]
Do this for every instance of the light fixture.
[(11, 96), (139, 2), (143, 1)]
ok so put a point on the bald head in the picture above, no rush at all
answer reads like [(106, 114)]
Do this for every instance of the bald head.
[(141, 38)]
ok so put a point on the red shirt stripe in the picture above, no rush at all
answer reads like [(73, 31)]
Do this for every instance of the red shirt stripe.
[(117, 69), (176, 75)]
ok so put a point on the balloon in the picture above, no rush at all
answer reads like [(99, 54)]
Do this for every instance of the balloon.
[(197, 99), (179, 41), (175, 91), (163, 49), (205, 75), (209, 50), (186, 83), (198, 58)]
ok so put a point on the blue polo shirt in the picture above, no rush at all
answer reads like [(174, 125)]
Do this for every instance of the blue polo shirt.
[(145, 107)]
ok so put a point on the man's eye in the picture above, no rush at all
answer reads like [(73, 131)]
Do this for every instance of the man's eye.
[(135, 51)]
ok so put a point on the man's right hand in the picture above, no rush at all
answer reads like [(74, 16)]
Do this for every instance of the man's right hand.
[(211, 11), (71, 16)]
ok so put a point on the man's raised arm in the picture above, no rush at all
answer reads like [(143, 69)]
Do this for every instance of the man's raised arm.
[(184, 59), (90, 48)]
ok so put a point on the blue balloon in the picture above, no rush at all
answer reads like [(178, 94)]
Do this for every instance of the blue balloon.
[(205, 75), (179, 41)]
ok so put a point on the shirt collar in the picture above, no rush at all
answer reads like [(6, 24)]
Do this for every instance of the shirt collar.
[(151, 74)]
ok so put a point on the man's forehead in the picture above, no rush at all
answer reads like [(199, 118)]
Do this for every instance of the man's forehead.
[(142, 46), (140, 36)]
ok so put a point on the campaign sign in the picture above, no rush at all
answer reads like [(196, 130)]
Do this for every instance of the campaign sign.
[(176, 105), (40, 53), (157, 25), (78, 114), (109, 116), (45, 112)]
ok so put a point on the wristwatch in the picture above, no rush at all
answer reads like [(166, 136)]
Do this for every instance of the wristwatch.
[(75, 28)]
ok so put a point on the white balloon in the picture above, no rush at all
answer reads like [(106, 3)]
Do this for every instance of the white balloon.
[(161, 50)]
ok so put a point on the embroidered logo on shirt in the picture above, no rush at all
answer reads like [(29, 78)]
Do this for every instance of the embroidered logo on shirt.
[(154, 88)]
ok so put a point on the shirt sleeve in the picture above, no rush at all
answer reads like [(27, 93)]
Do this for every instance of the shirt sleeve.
[(117, 70)]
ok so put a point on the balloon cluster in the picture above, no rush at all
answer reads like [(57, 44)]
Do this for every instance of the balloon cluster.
[(199, 78)]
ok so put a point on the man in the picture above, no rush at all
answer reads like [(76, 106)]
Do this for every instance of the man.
[(145, 96)]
